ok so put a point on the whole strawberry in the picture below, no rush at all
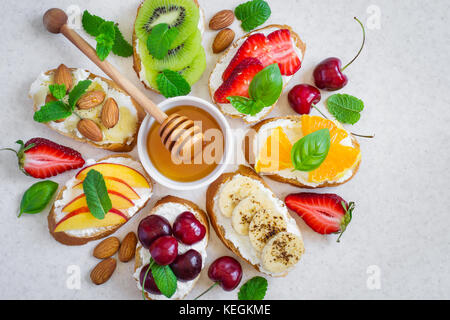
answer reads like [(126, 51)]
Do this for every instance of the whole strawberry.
[(42, 158), (325, 213)]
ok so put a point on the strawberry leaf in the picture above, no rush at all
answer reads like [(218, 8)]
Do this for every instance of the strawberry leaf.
[(345, 108), (252, 14), (97, 197), (253, 289), (346, 218)]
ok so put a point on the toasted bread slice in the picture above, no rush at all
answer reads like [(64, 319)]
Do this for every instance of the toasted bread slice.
[(215, 79), (122, 146), (231, 240), (74, 239), (137, 65), (199, 214)]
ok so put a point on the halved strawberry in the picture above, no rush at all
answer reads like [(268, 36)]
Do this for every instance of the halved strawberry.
[(325, 213), (42, 158), (277, 47), (239, 81)]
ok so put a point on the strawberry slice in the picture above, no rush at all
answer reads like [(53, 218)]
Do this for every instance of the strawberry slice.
[(325, 213), (277, 47), (42, 158), (239, 81)]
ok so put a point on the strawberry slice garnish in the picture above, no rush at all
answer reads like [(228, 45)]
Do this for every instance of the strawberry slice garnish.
[(239, 81), (42, 158), (277, 47), (325, 213)]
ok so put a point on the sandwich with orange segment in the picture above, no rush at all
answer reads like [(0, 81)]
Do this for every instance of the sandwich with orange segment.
[(72, 222), (305, 151)]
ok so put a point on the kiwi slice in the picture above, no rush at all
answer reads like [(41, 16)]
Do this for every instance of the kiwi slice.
[(182, 14), (191, 73), (177, 58)]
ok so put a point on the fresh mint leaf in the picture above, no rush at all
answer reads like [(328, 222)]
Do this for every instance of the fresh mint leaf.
[(245, 105), (253, 289), (37, 197), (267, 85), (160, 40), (105, 39), (345, 108), (53, 110), (121, 46), (76, 93), (97, 197), (252, 14), (165, 279), (172, 84), (91, 23), (58, 90), (310, 152)]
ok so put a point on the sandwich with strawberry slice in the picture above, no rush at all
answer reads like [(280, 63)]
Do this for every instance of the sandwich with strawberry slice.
[(248, 56)]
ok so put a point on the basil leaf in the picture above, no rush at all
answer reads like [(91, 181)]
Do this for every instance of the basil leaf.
[(97, 197), (309, 152), (37, 197), (253, 289), (58, 90), (53, 110), (345, 108), (77, 92), (252, 14), (160, 40), (246, 105), (267, 85), (105, 39), (172, 84), (165, 279)]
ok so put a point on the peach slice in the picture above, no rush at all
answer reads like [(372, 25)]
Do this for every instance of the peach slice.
[(82, 218), (118, 185), (118, 201), (132, 177)]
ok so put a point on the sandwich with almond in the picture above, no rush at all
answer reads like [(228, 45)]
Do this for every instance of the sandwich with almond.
[(253, 223), (87, 108)]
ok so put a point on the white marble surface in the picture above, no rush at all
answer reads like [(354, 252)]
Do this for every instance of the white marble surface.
[(401, 223)]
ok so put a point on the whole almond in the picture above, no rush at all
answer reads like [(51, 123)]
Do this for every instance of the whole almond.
[(91, 99), (103, 271), (106, 248), (110, 113), (221, 19), (63, 76), (89, 129), (128, 247), (223, 40)]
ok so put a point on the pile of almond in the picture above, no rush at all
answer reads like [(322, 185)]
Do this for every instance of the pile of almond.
[(222, 20), (105, 250)]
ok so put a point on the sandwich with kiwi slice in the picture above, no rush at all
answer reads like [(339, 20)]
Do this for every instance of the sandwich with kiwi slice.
[(186, 54)]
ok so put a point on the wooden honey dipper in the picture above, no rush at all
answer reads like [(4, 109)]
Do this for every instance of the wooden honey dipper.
[(178, 134)]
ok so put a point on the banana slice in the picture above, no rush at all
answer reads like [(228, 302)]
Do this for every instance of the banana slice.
[(245, 210), (234, 191), (264, 225), (282, 252)]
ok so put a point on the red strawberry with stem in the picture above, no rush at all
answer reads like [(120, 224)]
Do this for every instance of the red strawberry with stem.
[(239, 81), (277, 47), (325, 213), (42, 158)]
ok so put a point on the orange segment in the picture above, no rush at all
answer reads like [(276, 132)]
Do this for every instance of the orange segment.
[(339, 159), (275, 155)]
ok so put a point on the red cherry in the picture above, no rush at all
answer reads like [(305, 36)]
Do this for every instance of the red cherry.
[(187, 266), (328, 74), (149, 284), (302, 96), (164, 250), (151, 228), (227, 271), (187, 229)]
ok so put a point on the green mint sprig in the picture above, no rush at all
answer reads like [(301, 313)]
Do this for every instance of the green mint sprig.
[(97, 197), (105, 39), (253, 289), (345, 108), (160, 39), (252, 14), (37, 197), (165, 279), (172, 84), (310, 152)]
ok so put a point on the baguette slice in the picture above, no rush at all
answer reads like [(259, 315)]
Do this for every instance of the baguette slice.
[(215, 79), (212, 199), (250, 156), (72, 240), (199, 214), (116, 147)]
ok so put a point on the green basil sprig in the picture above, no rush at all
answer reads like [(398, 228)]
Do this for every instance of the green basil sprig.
[(97, 197), (37, 197), (309, 152)]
